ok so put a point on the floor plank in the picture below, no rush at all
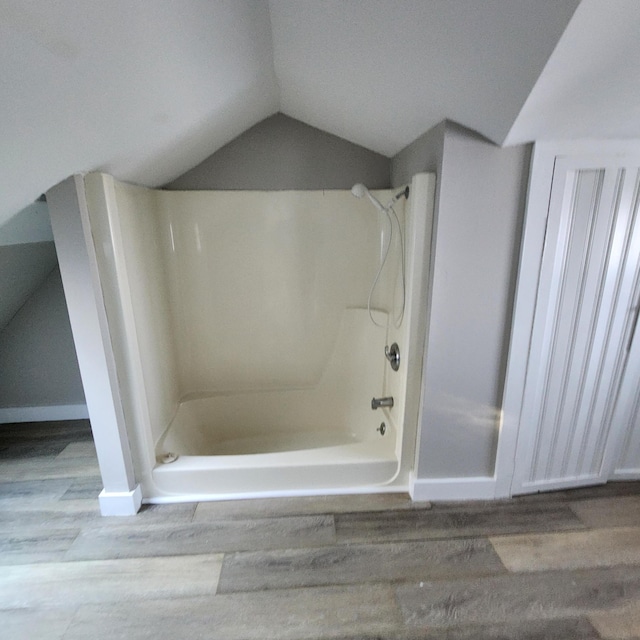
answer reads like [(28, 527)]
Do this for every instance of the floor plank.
[(35, 544), (87, 487), (359, 564), (460, 522), (73, 430), (42, 490), (47, 467), (518, 597), (23, 448), (564, 629), (316, 505), (569, 550), (620, 624), (31, 440), (609, 512), (609, 490), (35, 624), (85, 449), (179, 513), (142, 540), (73, 583), (32, 514), (274, 615)]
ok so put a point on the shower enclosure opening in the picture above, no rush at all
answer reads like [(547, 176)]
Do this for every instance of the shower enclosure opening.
[(251, 331)]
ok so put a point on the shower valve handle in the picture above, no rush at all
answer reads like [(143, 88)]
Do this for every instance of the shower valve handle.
[(393, 355)]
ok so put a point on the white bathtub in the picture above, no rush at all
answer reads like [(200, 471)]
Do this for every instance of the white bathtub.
[(321, 438), (243, 343), (280, 464)]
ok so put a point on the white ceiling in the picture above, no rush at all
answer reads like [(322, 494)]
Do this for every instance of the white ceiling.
[(146, 90), (590, 86), (382, 73)]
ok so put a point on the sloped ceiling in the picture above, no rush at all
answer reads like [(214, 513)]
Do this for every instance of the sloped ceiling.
[(146, 90), (143, 90), (590, 86), (382, 73)]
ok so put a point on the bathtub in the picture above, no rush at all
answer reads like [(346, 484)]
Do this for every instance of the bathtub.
[(318, 439), (246, 342)]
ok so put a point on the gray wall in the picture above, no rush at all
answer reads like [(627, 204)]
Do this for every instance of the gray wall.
[(37, 357), (23, 268), (281, 153), (479, 214), (423, 154)]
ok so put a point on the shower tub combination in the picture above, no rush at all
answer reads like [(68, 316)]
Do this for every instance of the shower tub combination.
[(249, 332)]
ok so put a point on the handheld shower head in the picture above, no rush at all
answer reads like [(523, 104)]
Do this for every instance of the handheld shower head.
[(360, 191)]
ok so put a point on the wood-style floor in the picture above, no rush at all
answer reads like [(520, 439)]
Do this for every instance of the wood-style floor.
[(561, 566)]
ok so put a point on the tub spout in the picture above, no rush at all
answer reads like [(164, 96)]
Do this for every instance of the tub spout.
[(381, 402)]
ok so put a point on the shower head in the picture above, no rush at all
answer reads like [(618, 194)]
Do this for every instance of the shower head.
[(360, 191)]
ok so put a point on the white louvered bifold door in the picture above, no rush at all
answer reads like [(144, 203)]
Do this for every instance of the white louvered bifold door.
[(582, 327)]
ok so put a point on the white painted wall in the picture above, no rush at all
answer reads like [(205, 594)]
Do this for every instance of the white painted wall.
[(37, 357), (479, 209), (479, 217)]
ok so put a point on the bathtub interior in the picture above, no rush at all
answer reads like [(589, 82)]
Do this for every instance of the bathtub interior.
[(243, 340), (334, 411)]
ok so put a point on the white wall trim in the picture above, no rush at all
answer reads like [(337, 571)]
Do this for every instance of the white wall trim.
[(625, 474), (120, 503), (533, 234), (479, 488), (44, 414), (78, 266)]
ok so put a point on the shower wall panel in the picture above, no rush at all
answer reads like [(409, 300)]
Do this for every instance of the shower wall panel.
[(128, 243), (258, 283)]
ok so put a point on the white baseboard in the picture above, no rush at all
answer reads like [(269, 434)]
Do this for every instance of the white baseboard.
[(434, 489), (44, 414), (625, 474), (120, 503)]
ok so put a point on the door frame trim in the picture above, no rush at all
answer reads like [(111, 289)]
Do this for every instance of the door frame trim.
[(543, 161)]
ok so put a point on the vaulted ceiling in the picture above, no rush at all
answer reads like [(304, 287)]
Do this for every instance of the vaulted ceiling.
[(146, 90)]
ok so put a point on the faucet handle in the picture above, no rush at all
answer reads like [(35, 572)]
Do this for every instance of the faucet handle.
[(393, 355)]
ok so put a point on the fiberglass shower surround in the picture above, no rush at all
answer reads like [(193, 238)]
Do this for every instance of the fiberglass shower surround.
[(248, 355)]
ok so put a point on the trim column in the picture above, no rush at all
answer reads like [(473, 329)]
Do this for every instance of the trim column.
[(78, 266)]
